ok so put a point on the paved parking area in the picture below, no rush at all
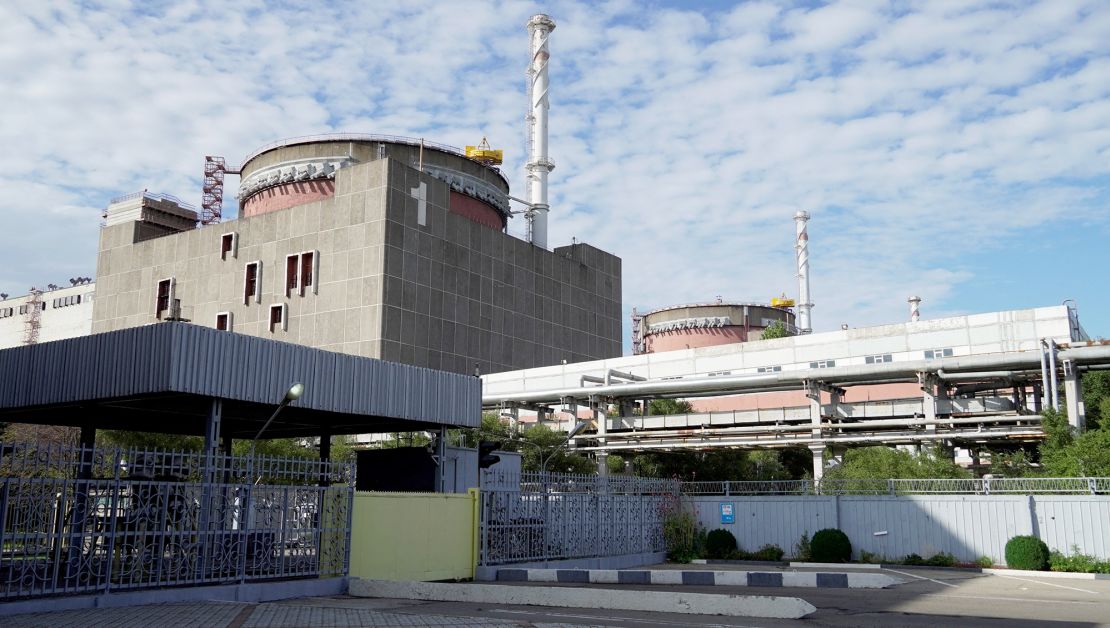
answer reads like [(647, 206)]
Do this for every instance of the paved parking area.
[(928, 598)]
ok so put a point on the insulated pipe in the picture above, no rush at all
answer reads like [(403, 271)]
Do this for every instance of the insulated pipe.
[(728, 384), (973, 375), (1052, 374), (538, 166), (1044, 368), (801, 247), (614, 373), (793, 442)]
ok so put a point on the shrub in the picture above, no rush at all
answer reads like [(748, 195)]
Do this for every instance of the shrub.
[(1027, 552), (913, 559), (768, 552), (1077, 562), (831, 546), (941, 560), (681, 534), (986, 562), (720, 544), (802, 550), (869, 558)]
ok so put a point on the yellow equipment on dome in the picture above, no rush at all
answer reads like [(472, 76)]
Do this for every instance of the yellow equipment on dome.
[(484, 154), (782, 302)]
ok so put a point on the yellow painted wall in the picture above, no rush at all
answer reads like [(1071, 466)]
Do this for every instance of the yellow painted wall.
[(414, 536)]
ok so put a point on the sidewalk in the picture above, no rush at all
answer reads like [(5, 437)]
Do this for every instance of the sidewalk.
[(339, 611)]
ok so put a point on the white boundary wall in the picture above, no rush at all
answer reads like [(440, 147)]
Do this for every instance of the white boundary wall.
[(967, 526)]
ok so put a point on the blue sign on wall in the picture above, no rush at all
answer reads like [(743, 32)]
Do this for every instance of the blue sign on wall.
[(728, 514)]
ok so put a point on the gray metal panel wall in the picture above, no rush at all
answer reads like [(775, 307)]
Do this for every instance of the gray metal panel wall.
[(768, 520), (967, 526), (191, 359)]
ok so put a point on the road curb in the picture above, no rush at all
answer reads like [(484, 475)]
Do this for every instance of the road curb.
[(849, 566), (1064, 575), (702, 577), (574, 597)]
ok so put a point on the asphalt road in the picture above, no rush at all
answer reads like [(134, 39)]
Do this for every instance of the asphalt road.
[(928, 598)]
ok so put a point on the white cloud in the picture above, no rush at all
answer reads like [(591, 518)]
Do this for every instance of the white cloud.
[(683, 140)]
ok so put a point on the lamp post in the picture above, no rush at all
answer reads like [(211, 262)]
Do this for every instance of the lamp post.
[(581, 425), (294, 393)]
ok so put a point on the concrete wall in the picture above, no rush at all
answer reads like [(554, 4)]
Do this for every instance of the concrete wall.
[(414, 536), (446, 294), (967, 526), (57, 320)]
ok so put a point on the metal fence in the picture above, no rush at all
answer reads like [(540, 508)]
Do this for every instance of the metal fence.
[(76, 520), (978, 486), (532, 517)]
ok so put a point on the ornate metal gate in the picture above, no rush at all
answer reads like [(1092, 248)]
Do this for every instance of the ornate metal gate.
[(76, 520), (532, 517)]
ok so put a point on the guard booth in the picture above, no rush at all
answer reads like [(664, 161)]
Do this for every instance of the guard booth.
[(96, 520)]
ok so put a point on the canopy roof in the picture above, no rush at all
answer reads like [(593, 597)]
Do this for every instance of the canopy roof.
[(163, 378)]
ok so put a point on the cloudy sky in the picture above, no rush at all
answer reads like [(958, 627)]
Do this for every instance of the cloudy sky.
[(954, 151)]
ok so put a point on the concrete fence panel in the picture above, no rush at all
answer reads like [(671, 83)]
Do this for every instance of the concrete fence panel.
[(414, 536), (966, 526)]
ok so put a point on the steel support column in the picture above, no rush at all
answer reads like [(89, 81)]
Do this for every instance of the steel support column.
[(1073, 396)]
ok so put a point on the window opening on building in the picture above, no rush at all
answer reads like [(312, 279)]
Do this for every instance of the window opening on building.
[(308, 271), (252, 283), (879, 359), (292, 265), (7, 312), (719, 373), (769, 369), (938, 353), (301, 270), (822, 364), (229, 245), (223, 321), (72, 299), (164, 299), (278, 318)]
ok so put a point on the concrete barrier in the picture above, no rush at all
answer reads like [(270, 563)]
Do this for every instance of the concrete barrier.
[(801, 579), (584, 597)]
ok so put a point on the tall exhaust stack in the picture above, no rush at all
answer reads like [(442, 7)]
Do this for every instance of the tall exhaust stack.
[(915, 308), (802, 248), (539, 166)]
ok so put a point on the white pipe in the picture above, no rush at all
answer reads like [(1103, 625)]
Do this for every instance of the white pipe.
[(538, 166), (726, 384), (612, 374), (791, 441), (915, 308), (1044, 373), (1052, 380), (801, 246)]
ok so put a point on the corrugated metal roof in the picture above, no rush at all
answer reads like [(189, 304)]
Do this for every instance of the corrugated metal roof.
[(175, 359)]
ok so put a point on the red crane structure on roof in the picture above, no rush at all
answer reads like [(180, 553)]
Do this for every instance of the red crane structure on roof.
[(212, 200)]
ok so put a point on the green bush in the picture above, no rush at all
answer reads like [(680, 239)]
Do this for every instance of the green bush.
[(986, 562), (1077, 562), (913, 559), (831, 546), (1027, 552), (941, 560), (772, 553), (871, 559), (680, 531), (803, 551), (720, 544)]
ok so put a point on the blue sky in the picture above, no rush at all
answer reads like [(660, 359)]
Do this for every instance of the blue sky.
[(947, 149)]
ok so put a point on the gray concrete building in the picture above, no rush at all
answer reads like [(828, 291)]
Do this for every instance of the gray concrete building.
[(368, 246)]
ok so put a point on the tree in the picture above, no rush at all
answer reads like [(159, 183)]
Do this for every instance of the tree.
[(1066, 454), (776, 329), (883, 463), (541, 442), (670, 406), (1096, 398)]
